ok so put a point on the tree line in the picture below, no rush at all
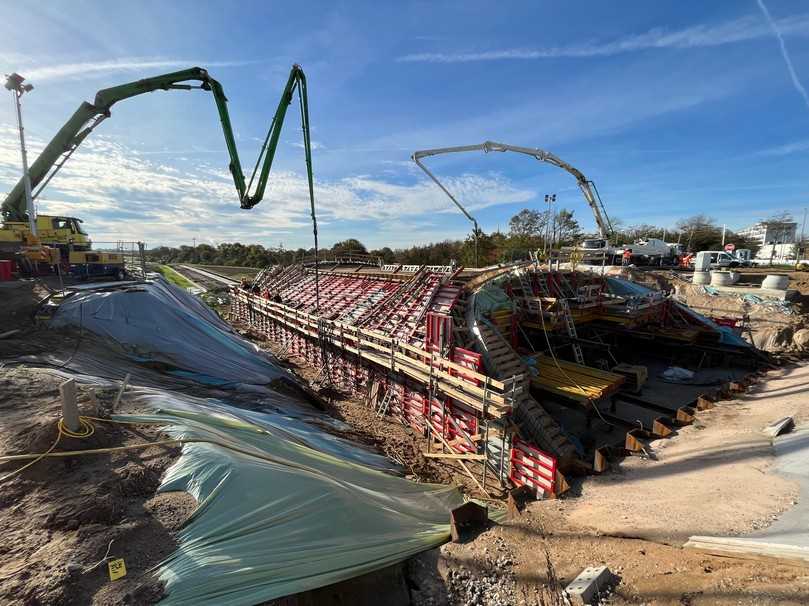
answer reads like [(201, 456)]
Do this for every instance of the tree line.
[(528, 230)]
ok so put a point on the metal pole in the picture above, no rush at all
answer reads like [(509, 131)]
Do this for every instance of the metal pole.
[(141, 247), (29, 201)]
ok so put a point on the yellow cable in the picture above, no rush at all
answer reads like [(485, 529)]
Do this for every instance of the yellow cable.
[(89, 429), (86, 429), (36, 460), (571, 379)]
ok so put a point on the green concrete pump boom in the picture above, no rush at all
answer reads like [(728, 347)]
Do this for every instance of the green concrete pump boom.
[(89, 115), (586, 186)]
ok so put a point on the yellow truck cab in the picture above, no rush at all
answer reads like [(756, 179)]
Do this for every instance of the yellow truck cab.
[(61, 232)]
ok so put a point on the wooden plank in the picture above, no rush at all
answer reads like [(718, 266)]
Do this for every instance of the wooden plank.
[(459, 388), (385, 346), (466, 469), (441, 455), (750, 549)]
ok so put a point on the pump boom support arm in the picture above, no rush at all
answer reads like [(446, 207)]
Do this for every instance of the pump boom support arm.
[(587, 187), (89, 115)]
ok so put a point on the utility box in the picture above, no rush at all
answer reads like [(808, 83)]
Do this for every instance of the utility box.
[(702, 262)]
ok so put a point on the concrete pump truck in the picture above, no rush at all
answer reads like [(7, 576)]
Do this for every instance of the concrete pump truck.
[(62, 240)]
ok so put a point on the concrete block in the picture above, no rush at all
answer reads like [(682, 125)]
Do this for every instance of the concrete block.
[(590, 583)]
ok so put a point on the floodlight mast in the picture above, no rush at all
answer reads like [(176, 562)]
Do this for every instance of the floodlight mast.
[(14, 83)]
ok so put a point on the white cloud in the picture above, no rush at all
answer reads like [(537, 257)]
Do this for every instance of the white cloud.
[(697, 36), (786, 149), (784, 53), (39, 72), (313, 144), (122, 194)]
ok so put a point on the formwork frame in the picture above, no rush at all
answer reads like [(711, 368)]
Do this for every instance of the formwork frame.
[(446, 400)]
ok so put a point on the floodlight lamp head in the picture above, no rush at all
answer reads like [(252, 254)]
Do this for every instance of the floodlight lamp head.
[(14, 82)]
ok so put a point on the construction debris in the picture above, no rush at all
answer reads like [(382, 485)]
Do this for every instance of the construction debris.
[(776, 428), (590, 586)]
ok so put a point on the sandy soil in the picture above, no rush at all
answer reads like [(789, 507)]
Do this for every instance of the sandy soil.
[(510, 560), (61, 515), (19, 303), (398, 442), (711, 478)]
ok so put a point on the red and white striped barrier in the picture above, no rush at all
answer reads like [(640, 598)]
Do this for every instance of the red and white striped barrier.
[(532, 467)]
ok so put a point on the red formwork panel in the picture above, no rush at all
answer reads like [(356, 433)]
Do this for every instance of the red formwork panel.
[(532, 467), (6, 269), (468, 359), (462, 425), (438, 332), (413, 409)]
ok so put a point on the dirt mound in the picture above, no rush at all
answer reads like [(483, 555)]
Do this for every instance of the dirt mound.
[(63, 515), (20, 299)]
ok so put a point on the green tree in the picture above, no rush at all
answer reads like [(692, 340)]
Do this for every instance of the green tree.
[(700, 232), (566, 228), (349, 245), (528, 223)]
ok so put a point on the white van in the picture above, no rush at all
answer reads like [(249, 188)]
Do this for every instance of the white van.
[(719, 259)]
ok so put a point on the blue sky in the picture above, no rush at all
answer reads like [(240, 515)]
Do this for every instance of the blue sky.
[(671, 108)]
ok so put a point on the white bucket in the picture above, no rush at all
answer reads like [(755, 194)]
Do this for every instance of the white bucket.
[(776, 282), (701, 277), (721, 278)]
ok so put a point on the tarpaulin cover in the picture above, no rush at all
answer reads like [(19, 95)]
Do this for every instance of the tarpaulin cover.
[(276, 518), (278, 414), (284, 504), (155, 322), (491, 297)]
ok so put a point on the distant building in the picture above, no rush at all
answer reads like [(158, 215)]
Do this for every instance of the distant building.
[(771, 232)]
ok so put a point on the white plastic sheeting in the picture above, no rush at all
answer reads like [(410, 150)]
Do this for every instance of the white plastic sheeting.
[(276, 518), (284, 504), (157, 323)]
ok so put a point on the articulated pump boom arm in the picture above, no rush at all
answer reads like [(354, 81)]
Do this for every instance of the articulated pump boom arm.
[(89, 115), (587, 187)]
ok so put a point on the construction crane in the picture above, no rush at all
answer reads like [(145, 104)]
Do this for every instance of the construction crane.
[(587, 187), (66, 232)]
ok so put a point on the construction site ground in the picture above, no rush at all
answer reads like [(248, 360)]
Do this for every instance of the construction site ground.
[(714, 477), (63, 516)]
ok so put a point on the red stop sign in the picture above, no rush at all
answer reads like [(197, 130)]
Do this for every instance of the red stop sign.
[(730, 247)]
